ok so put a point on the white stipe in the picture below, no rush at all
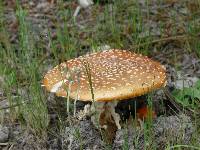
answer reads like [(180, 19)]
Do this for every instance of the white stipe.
[(82, 4), (115, 115), (76, 11), (57, 86), (85, 3)]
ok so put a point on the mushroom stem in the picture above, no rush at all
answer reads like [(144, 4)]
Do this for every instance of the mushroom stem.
[(105, 114), (106, 118), (115, 115)]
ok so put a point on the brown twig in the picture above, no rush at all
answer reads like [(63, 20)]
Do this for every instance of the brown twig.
[(162, 40)]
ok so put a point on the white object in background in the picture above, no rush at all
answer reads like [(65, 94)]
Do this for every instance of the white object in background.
[(103, 47), (185, 82), (82, 4), (85, 3)]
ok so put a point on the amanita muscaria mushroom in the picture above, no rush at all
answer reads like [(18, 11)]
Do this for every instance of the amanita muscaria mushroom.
[(115, 75)]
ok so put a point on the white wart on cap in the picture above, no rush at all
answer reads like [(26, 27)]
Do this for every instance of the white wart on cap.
[(115, 75)]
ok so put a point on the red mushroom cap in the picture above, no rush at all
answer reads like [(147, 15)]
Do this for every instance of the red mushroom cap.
[(115, 75)]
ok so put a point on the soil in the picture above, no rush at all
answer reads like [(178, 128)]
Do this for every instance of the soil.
[(164, 129), (83, 134)]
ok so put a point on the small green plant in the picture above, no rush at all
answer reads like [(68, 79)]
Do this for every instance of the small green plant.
[(77, 134), (125, 145), (188, 97)]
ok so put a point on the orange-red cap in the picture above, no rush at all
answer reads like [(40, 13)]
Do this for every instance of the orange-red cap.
[(115, 75)]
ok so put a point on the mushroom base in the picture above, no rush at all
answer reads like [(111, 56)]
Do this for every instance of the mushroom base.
[(106, 119)]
